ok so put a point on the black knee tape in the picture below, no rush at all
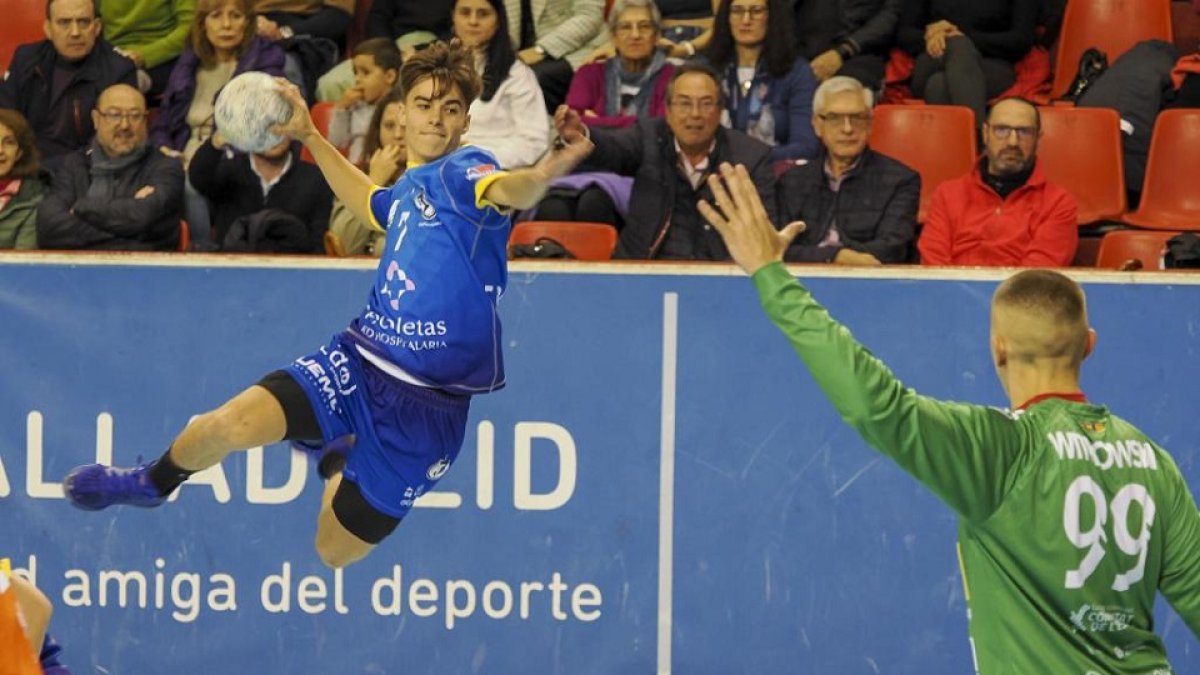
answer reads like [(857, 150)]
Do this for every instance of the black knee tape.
[(302, 423), (358, 516)]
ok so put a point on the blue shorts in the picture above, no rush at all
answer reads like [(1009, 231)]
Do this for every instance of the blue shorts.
[(406, 436)]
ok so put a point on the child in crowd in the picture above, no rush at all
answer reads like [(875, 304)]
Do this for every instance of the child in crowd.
[(376, 71)]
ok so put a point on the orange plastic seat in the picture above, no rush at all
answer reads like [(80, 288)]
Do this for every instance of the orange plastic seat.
[(22, 23), (1097, 180), (936, 141), (1120, 246), (1112, 26), (185, 236), (1170, 198), (586, 241)]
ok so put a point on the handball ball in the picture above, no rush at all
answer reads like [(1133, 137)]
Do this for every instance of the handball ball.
[(246, 109)]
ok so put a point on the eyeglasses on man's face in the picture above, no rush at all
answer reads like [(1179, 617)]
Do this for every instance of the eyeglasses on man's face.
[(114, 116), (837, 120), (703, 106), (628, 28), (1003, 131)]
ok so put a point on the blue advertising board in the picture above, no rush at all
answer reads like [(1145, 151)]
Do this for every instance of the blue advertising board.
[(660, 488)]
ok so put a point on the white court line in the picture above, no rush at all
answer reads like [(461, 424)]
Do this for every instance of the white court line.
[(666, 481)]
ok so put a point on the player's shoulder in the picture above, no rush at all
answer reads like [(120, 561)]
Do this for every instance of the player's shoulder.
[(471, 163)]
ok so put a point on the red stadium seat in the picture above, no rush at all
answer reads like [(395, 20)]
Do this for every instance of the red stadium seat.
[(937, 141), (1112, 26), (1170, 200), (22, 22), (586, 241), (1121, 246), (1097, 181)]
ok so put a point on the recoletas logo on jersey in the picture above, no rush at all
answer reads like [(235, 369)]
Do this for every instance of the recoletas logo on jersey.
[(1094, 427), (480, 170), (403, 284), (438, 469)]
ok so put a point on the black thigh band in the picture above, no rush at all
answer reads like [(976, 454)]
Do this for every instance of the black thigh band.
[(358, 516), (302, 423)]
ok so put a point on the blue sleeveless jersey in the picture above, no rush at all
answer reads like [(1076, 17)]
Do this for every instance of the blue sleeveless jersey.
[(432, 310)]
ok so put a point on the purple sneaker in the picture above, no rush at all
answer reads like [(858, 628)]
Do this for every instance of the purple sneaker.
[(92, 487)]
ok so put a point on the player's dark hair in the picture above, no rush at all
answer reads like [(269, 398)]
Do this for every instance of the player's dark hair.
[(448, 65), (1056, 299), (385, 52), (1045, 291), (499, 54)]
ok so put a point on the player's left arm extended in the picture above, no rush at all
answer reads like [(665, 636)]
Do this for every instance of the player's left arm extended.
[(965, 453), (520, 189), (968, 455), (524, 188)]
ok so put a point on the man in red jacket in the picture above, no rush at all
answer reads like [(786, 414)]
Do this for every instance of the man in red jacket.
[(1005, 212)]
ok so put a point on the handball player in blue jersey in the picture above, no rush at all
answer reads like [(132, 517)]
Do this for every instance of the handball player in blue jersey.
[(384, 404)]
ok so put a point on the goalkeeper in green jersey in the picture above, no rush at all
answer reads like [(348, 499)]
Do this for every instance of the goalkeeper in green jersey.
[(1070, 519)]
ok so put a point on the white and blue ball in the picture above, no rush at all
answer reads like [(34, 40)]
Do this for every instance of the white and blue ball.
[(247, 108)]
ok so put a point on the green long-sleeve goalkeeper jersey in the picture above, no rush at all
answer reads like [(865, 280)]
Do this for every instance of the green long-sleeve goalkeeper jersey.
[(1070, 519)]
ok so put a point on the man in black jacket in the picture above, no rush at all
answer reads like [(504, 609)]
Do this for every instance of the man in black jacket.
[(119, 193), (55, 83), (670, 159), (847, 37), (860, 207), (241, 185)]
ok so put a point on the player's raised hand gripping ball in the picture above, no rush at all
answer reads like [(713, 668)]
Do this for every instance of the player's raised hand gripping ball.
[(247, 109)]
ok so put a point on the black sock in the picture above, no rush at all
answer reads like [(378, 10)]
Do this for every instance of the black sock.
[(166, 475), (330, 464)]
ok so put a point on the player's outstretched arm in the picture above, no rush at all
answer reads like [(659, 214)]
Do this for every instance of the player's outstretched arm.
[(350, 184), (524, 188), (963, 453)]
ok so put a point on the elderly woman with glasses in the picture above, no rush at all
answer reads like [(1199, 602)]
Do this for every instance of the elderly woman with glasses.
[(631, 84), (768, 87)]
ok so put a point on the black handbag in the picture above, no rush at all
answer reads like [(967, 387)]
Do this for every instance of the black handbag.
[(1183, 252), (1092, 64), (544, 247)]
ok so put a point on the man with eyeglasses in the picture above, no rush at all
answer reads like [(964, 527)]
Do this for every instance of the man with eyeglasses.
[(119, 193), (860, 206), (670, 159), (1004, 213), (55, 82)]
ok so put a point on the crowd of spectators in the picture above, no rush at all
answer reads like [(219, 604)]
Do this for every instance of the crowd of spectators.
[(108, 141)]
